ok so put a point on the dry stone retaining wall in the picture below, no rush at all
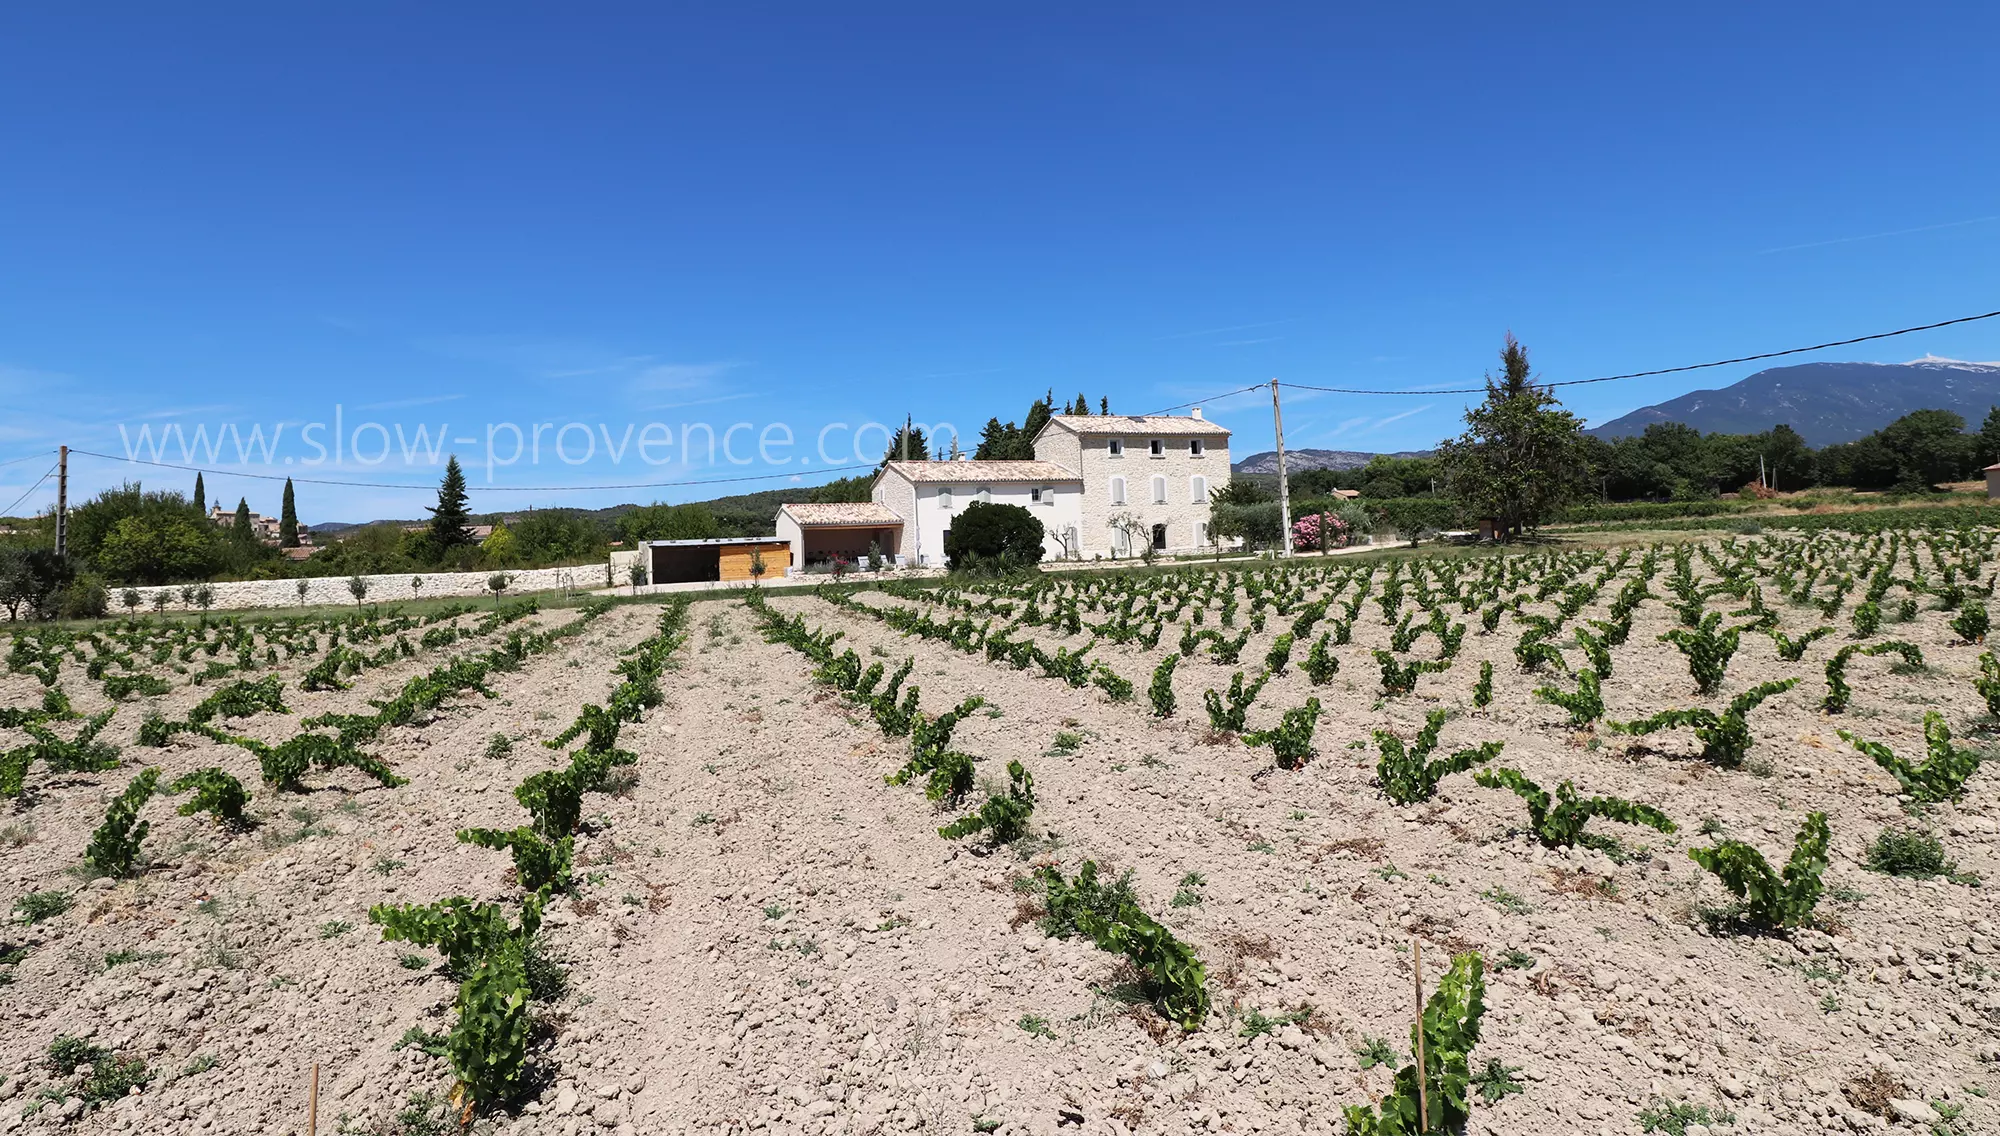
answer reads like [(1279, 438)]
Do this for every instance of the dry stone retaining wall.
[(232, 594)]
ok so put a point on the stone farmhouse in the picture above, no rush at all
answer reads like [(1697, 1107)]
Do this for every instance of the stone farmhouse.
[(264, 528), (1102, 485)]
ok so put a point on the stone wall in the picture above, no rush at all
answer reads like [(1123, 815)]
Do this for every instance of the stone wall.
[(236, 594)]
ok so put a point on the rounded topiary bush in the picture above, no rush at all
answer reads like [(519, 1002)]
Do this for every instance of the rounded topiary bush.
[(989, 536)]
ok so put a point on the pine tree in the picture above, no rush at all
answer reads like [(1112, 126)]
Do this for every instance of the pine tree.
[(1104, 406), (1521, 457), (288, 520), (449, 516), (909, 444), (200, 500), (241, 531)]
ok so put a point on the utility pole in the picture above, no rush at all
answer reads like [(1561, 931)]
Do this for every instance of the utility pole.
[(62, 501), (1761, 478), (1284, 490)]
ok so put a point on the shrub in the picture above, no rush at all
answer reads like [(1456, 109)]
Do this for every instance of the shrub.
[(1771, 900), (1321, 663), (1708, 649), (114, 847), (1402, 678), (1585, 705), (1280, 654), (1162, 689), (1911, 852), (1725, 737), (538, 863), (1988, 682), (241, 700), (40, 906), (488, 1047), (1792, 650), (1943, 773), (1170, 973), (1231, 718), (1291, 739), (462, 930), (1971, 622), (215, 792), (984, 534), (1407, 775), (1559, 823), (1448, 1029), (554, 800), (1004, 818), (1482, 691), (1838, 693)]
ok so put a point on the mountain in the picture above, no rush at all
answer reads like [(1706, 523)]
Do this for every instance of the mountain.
[(1297, 460), (1826, 402)]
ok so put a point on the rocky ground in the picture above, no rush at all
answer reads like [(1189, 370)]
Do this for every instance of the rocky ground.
[(766, 937)]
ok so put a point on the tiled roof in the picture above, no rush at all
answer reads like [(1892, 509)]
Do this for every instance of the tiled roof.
[(1174, 424), (960, 472), (845, 513)]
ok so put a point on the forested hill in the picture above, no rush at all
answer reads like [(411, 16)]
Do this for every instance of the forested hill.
[(1825, 402)]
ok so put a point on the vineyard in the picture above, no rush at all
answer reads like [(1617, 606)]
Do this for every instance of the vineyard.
[(1687, 837)]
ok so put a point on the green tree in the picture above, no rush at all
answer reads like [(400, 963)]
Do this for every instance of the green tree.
[(1521, 457), (500, 549), (449, 519), (1930, 446), (200, 498), (288, 520), (909, 444), (239, 529), (669, 522), (1988, 450), (159, 548), (989, 535), (549, 535)]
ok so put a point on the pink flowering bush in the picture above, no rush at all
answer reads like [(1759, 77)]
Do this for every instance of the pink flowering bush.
[(1305, 532)]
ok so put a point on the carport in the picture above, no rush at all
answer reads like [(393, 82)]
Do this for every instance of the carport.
[(819, 533), (724, 558)]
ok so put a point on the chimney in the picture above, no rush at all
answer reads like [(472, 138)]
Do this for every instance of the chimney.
[(1195, 414)]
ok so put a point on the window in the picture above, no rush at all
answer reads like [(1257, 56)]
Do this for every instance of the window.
[(1043, 495), (1117, 491), (1115, 447), (1198, 490), (1159, 538), (1121, 542), (944, 499), (1157, 447), (1195, 448), (1200, 533), (983, 496), (1159, 491)]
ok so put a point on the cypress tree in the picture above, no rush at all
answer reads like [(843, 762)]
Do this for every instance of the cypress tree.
[(288, 520), (200, 500), (242, 531), (448, 518)]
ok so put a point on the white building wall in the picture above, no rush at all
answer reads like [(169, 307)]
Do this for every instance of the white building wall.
[(933, 516), (1185, 517), (790, 532)]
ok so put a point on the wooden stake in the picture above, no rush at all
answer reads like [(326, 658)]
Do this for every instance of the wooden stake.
[(1423, 1071), (312, 1104)]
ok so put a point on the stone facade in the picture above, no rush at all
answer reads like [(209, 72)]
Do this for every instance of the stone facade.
[(1116, 458)]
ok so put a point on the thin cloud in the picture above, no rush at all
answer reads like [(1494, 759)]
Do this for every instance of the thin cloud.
[(1232, 327), (1381, 422), (1879, 236), (679, 376), (1248, 342), (705, 401), (405, 403), (1346, 426)]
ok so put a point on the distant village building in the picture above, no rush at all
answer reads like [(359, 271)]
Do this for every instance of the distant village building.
[(264, 528), (1102, 485)]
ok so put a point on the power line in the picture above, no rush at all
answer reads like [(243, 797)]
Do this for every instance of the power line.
[(29, 458), (481, 489), (1211, 398), (9, 510), (1672, 370)]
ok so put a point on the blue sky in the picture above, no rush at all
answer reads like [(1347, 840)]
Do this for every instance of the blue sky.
[(808, 214)]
